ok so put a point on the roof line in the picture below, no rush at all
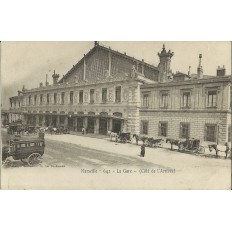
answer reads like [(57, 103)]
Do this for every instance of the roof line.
[(108, 49)]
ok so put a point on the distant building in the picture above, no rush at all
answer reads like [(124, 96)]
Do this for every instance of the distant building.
[(107, 90), (4, 117)]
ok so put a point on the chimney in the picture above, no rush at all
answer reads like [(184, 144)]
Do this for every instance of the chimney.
[(189, 71), (200, 69), (55, 78), (221, 71), (96, 43)]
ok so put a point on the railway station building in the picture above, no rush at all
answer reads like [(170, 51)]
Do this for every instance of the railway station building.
[(111, 91)]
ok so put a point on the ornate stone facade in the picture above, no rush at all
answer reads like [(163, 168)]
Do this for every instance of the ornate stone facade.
[(108, 90)]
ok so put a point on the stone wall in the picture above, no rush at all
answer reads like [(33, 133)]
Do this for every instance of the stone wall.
[(196, 119)]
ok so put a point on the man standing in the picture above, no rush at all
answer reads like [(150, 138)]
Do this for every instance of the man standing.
[(142, 153), (227, 149)]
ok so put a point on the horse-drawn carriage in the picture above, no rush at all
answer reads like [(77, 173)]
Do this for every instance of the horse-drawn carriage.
[(187, 145), (124, 137), (151, 142), (191, 145), (15, 127), (29, 151)]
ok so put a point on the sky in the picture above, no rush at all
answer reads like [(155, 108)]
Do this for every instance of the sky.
[(27, 63)]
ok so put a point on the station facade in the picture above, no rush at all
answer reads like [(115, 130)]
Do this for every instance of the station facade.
[(111, 91)]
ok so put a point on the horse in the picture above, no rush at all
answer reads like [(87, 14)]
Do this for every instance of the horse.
[(112, 135), (175, 142)]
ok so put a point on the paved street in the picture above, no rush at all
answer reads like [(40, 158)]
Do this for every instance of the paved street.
[(79, 152), (71, 155)]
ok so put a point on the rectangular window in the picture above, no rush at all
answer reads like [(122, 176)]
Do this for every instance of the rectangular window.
[(81, 96), (118, 94), (35, 98), (29, 99), (71, 97), (163, 129), (62, 98), (184, 130), (145, 100), (55, 98), (104, 95), (23, 145), (212, 98), (91, 96), (48, 98), (32, 144), (186, 100), (19, 104), (41, 99), (210, 132), (144, 127), (164, 100)]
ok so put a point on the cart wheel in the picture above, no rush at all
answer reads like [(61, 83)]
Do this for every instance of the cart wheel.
[(6, 163), (201, 150), (34, 159), (24, 161), (181, 147)]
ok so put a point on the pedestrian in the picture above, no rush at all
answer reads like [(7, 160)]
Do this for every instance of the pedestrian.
[(142, 153), (83, 130), (137, 139), (227, 149), (41, 134)]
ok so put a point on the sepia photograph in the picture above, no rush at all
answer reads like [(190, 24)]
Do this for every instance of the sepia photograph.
[(116, 115)]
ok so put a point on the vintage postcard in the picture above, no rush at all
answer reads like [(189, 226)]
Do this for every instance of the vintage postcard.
[(116, 115)]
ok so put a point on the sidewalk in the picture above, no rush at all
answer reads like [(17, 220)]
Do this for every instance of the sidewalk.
[(87, 137), (158, 156)]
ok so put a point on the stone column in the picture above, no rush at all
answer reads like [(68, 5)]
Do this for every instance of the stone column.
[(43, 120), (110, 124), (85, 122), (123, 126), (66, 121), (96, 126), (58, 121), (75, 123), (37, 120)]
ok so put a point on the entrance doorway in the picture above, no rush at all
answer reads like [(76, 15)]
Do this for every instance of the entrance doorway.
[(103, 126), (54, 121), (46, 121), (90, 128), (70, 123), (79, 124), (116, 125)]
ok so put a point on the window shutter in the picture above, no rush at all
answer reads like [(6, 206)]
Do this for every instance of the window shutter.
[(205, 133), (166, 129), (216, 133), (180, 132), (159, 128), (189, 128)]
